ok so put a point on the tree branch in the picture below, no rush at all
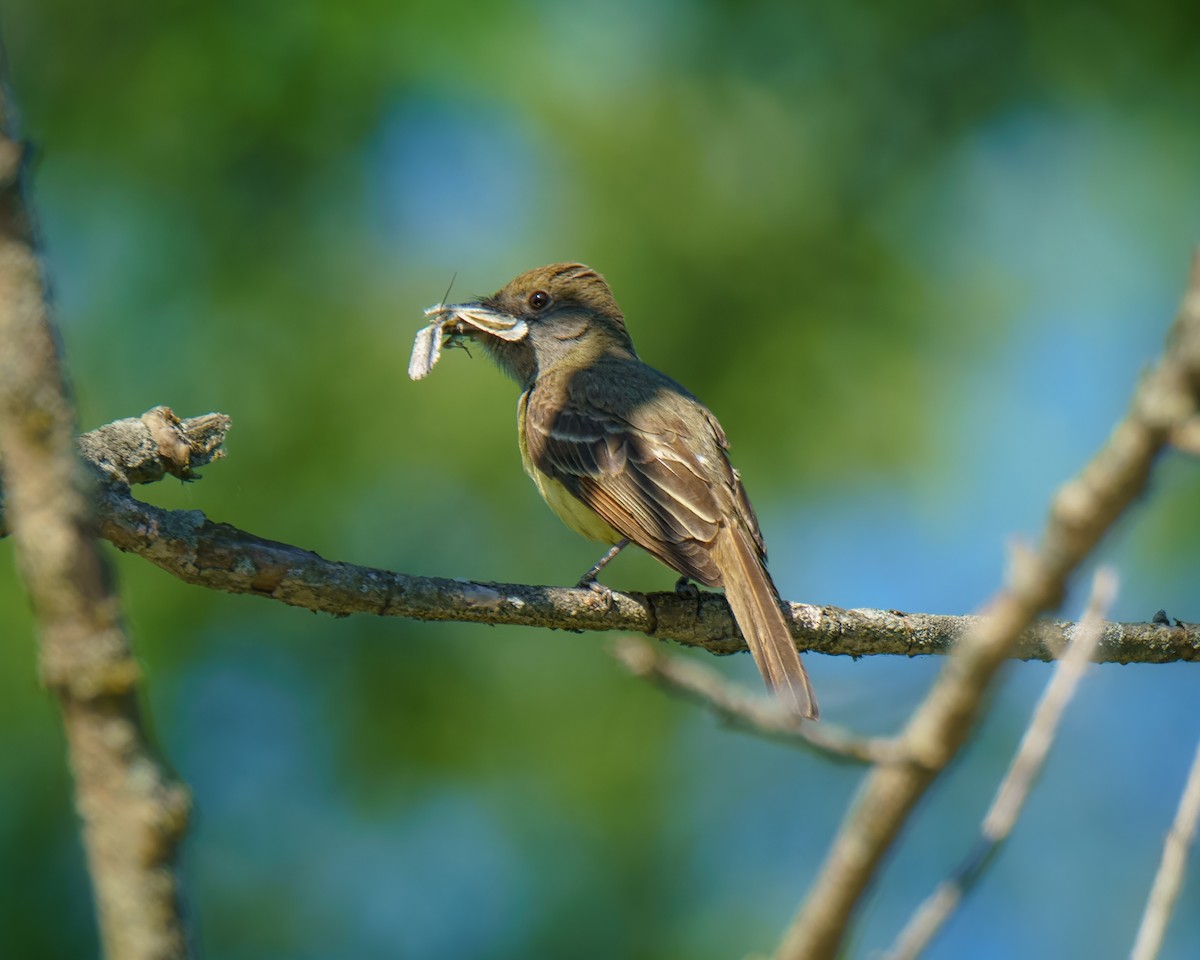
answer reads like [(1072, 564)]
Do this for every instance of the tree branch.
[(219, 556), (1168, 880), (758, 715), (1082, 511), (133, 813), (1014, 789), (147, 448)]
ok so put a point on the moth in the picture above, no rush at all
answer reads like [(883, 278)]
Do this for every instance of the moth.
[(448, 323)]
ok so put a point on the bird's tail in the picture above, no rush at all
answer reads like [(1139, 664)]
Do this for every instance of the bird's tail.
[(755, 604)]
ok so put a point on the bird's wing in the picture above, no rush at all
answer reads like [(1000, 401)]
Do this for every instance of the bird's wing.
[(655, 472)]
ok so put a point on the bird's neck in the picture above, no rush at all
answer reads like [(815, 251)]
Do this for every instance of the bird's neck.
[(525, 363)]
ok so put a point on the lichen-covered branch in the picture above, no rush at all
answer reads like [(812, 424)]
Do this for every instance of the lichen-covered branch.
[(1081, 513), (133, 813), (222, 557), (219, 556), (147, 448), (157, 444)]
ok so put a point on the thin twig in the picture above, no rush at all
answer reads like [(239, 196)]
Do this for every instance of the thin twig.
[(1169, 879), (743, 710), (1014, 789), (1082, 511)]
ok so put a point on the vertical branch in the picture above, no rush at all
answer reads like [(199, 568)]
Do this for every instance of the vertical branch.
[(1082, 511), (1014, 789), (133, 814), (1169, 878)]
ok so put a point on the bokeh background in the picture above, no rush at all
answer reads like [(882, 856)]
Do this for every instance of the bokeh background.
[(915, 256)]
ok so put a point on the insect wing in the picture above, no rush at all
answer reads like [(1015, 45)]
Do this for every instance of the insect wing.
[(427, 348)]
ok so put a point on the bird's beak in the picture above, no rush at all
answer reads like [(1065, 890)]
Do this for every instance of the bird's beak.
[(458, 320)]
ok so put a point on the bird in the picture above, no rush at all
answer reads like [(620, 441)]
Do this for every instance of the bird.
[(624, 454)]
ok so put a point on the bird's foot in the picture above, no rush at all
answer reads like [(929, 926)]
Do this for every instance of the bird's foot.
[(603, 592), (685, 588)]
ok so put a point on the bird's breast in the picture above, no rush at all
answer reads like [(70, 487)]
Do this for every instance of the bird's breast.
[(566, 506)]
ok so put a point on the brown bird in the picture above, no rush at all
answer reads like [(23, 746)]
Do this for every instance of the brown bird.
[(623, 453)]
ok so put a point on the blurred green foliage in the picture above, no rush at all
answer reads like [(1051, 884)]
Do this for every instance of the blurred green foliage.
[(835, 222)]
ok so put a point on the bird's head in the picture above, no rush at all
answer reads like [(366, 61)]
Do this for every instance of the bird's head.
[(563, 312)]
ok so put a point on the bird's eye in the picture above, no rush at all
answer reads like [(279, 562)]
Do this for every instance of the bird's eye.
[(539, 299)]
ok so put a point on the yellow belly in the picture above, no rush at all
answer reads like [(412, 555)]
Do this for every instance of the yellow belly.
[(571, 510)]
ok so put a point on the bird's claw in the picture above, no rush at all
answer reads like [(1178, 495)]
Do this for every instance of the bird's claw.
[(603, 592)]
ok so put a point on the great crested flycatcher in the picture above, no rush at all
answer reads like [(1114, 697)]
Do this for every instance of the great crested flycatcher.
[(623, 453)]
